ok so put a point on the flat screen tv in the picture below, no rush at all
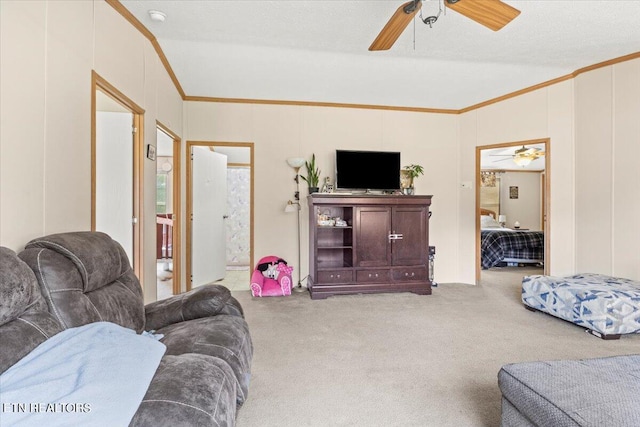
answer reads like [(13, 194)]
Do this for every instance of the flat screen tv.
[(367, 170)]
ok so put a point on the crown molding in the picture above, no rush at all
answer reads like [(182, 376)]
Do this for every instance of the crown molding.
[(319, 104), (149, 35)]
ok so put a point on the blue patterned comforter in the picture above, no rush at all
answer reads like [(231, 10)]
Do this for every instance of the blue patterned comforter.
[(608, 305), (496, 245)]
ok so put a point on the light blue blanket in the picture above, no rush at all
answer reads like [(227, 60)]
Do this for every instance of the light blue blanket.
[(94, 375)]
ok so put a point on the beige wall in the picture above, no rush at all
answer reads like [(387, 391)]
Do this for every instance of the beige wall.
[(545, 113), (280, 132), (526, 209), (437, 141), (607, 175), (592, 122), (47, 53), (48, 50)]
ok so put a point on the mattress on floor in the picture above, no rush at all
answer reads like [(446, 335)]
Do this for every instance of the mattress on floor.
[(605, 304)]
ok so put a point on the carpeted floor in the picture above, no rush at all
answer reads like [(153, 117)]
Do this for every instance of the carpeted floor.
[(400, 359), (236, 279)]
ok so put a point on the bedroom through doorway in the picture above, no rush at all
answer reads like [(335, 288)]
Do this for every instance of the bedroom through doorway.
[(512, 205)]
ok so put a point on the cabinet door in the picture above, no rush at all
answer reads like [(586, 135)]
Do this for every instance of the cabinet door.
[(411, 223), (373, 224)]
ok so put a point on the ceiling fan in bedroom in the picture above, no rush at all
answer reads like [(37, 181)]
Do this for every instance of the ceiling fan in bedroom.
[(523, 156), (493, 14)]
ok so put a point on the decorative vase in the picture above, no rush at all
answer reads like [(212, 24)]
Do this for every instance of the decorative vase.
[(408, 191), (406, 180)]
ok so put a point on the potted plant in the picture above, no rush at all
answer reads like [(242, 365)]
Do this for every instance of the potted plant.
[(313, 175), (407, 174)]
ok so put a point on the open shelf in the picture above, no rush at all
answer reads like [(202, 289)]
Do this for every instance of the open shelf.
[(335, 257)]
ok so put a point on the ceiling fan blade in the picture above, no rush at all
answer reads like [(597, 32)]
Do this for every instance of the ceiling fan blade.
[(493, 14), (396, 25)]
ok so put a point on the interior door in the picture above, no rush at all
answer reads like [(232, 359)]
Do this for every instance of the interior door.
[(114, 198), (209, 210)]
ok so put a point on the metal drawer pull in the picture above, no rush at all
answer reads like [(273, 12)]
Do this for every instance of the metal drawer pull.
[(373, 275), (395, 236), (336, 276), (407, 274)]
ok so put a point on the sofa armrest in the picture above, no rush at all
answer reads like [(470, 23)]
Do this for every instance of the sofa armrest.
[(204, 301), (189, 389), (232, 307)]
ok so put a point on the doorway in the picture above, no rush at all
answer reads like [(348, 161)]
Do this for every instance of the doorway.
[(512, 195), (116, 169), (236, 251), (167, 212)]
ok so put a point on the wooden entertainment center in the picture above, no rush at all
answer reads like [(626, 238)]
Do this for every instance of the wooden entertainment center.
[(383, 245)]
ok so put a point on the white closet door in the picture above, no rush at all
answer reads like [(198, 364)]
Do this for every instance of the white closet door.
[(114, 177), (209, 198)]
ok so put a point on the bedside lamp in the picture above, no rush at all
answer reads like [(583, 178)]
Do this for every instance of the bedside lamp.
[(502, 219)]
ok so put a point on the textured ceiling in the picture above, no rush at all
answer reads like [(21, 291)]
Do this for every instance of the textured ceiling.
[(317, 51)]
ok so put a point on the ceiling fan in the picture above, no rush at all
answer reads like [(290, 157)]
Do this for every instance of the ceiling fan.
[(523, 156), (493, 14)]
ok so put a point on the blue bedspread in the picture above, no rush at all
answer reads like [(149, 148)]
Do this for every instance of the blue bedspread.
[(93, 375)]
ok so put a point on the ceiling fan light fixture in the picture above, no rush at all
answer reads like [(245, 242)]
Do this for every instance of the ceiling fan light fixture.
[(493, 14), (522, 160), (430, 20)]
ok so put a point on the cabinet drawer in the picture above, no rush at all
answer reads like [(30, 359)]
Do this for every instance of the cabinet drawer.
[(409, 273), (376, 276), (335, 276)]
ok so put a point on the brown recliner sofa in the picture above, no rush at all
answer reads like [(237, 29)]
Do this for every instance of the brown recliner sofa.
[(85, 277)]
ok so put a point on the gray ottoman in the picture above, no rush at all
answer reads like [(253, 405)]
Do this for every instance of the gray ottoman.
[(589, 392)]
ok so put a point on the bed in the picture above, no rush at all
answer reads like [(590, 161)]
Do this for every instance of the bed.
[(500, 245)]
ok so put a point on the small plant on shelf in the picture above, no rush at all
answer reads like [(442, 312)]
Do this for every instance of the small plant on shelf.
[(313, 174)]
